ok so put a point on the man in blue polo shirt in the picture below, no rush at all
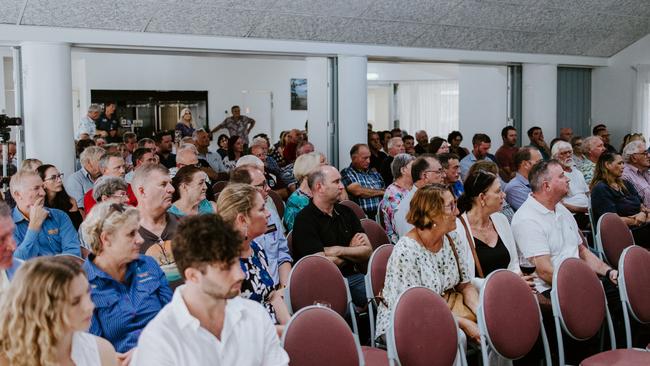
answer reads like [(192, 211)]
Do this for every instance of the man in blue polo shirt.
[(39, 231), (365, 186), (518, 189)]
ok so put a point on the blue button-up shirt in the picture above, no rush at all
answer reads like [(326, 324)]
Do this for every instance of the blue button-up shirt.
[(517, 191), (276, 247), (469, 160), (122, 310), (57, 236), (77, 185), (367, 179)]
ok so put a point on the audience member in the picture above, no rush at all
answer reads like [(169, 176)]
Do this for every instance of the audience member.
[(206, 250), (130, 140), (305, 147), (111, 165), (237, 125), (630, 137), (185, 126), (451, 165), (88, 123), (128, 288), (328, 228), (518, 189), (202, 142), (165, 144), (506, 153), (578, 154), (30, 164), (430, 255), (189, 193), (235, 151), (141, 155), (491, 167), (8, 264), (364, 186), (242, 207), (278, 149), (438, 145), (107, 121), (39, 231), (601, 131), (111, 189), (425, 170), (272, 170), (83, 179), (289, 152), (536, 137), (377, 156), (55, 194), (299, 199), (423, 142), (45, 314), (222, 142), (593, 147), (409, 145), (273, 241), (577, 199), (485, 229), (385, 137), (610, 193), (395, 146), (401, 167), (481, 146), (396, 132), (455, 138), (637, 162), (566, 134), (113, 135), (99, 141)]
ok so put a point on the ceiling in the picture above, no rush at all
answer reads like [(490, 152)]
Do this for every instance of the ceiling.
[(568, 27)]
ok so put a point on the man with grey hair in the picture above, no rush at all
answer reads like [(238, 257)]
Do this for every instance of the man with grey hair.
[(8, 264), (395, 146), (110, 165), (213, 160), (577, 199), (637, 162), (83, 179), (39, 231), (88, 123), (593, 147), (546, 232)]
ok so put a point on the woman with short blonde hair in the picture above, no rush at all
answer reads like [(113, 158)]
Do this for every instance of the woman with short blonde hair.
[(299, 199), (45, 314)]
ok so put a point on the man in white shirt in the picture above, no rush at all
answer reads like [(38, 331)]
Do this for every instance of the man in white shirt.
[(87, 124), (8, 264), (426, 169), (577, 199), (207, 323), (546, 232)]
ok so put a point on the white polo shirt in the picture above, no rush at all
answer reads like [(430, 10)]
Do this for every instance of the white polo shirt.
[(578, 189), (175, 337), (540, 231)]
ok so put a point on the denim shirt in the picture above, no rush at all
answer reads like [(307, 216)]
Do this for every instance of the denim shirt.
[(57, 236), (122, 310), (275, 246)]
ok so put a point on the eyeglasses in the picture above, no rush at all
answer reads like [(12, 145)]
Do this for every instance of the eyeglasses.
[(642, 153), (55, 177), (262, 186), (439, 171), (120, 194)]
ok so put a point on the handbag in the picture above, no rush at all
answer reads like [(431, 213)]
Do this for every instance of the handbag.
[(454, 299), (472, 246)]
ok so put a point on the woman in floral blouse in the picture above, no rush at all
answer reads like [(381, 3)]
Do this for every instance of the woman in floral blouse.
[(401, 169), (242, 206), (430, 256)]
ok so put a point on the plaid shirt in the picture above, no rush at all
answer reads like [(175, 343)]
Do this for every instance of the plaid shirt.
[(367, 179)]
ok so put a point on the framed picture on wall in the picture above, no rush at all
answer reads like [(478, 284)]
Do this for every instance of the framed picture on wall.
[(298, 94)]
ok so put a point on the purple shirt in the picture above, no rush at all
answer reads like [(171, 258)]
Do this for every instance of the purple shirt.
[(640, 180)]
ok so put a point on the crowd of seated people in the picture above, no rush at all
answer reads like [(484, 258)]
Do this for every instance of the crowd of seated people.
[(164, 254)]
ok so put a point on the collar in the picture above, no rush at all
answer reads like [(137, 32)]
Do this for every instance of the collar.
[(234, 312), (85, 173), (634, 170), (537, 206), (321, 213), (18, 216), (522, 179), (93, 272), (367, 171)]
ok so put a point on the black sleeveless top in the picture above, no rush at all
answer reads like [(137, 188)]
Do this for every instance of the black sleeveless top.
[(492, 258)]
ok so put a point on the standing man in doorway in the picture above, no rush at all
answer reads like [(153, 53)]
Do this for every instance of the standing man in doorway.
[(237, 124)]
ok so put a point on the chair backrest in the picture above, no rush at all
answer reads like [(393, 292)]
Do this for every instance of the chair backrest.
[(423, 330), (634, 281), (377, 268), (375, 233), (315, 278), (318, 336), (290, 242), (356, 208), (580, 299), (614, 236), (219, 186), (509, 314), (278, 202)]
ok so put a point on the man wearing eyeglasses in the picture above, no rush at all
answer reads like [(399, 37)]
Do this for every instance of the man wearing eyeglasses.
[(637, 162), (426, 169)]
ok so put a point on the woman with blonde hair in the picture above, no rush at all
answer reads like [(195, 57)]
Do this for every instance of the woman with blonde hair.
[(299, 199), (185, 125), (45, 315), (242, 206)]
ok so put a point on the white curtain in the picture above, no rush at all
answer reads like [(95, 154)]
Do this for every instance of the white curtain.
[(641, 122), (428, 105)]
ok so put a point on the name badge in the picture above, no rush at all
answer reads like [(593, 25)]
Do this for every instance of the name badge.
[(53, 231), (271, 229)]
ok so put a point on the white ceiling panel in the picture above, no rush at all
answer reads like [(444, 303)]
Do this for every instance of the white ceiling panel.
[(10, 10)]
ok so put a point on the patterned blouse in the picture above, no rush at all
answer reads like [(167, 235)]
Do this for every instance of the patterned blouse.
[(258, 283), (296, 202), (411, 264), (387, 206)]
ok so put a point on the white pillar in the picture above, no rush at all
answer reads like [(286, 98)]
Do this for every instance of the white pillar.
[(539, 99), (47, 102), (318, 103), (353, 100)]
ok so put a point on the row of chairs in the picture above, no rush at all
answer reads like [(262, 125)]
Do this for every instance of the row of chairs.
[(424, 332)]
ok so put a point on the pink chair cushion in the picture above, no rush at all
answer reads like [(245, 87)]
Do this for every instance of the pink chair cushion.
[(375, 356), (618, 357), (378, 264), (355, 207), (615, 237), (375, 233), (637, 281), (315, 279)]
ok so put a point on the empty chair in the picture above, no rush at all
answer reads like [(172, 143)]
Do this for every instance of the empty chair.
[(580, 307), (375, 232), (423, 330), (355, 207), (509, 318), (219, 186), (375, 281), (278, 202), (634, 287), (318, 336), (613, 236), (315, 279)]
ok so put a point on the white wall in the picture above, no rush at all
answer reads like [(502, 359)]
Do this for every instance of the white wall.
[(483, 107), (223, 77), (379, 107), (612, 90)]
